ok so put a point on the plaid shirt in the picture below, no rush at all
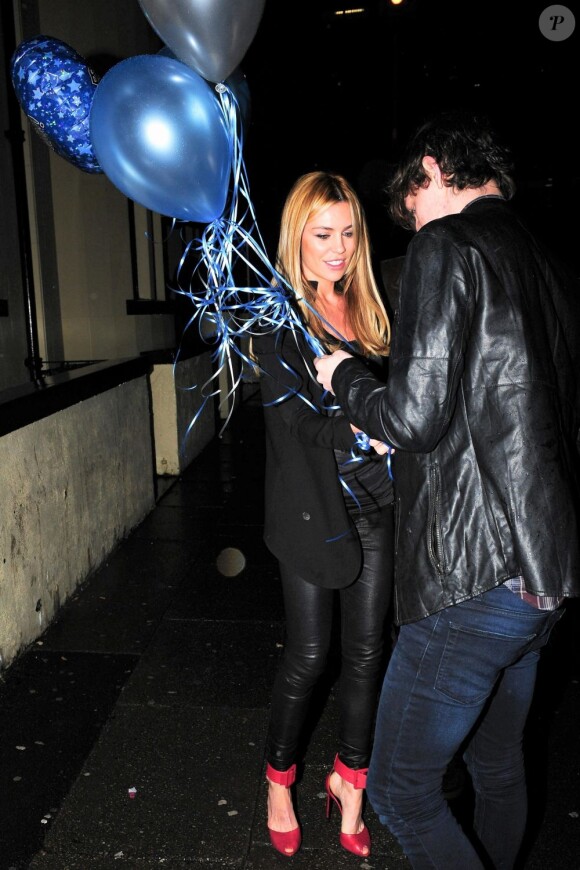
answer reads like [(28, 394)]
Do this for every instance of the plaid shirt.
[(541, 602)]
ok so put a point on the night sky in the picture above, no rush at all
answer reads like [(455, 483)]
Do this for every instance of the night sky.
[(344, 93)]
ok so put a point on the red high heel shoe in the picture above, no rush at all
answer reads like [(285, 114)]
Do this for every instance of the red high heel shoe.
[(354, 843), (285, 842)]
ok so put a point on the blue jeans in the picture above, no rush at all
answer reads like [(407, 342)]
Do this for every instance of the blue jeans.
[(461, 678)]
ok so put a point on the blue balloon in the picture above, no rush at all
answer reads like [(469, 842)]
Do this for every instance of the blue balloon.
[(160, 136), (55, 89)]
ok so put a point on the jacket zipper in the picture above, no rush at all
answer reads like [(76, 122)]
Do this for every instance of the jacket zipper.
[(435, 536)]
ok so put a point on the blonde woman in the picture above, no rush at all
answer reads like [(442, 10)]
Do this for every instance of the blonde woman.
[(328, 504)]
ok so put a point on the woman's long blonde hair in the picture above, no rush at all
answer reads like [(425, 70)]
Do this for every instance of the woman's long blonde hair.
[(310, 194)]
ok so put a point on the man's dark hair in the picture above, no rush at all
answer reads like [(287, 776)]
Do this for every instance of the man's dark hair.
[(468, 151)]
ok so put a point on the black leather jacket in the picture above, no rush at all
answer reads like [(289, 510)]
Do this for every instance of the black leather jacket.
[(482, 405)]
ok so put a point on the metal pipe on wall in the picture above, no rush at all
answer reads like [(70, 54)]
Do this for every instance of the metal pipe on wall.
[(15, 136)]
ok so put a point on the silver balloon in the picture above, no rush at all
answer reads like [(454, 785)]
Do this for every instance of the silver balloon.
[(210, 36)]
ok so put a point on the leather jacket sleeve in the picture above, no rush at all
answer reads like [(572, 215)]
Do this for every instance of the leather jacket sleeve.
[(413, 409)]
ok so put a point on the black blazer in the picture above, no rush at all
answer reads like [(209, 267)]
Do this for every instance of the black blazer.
[(307, 525)]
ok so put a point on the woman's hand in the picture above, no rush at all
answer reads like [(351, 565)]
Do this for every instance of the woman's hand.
[(379, 446)]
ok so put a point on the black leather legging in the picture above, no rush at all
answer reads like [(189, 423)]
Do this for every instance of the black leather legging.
[(309, 612)]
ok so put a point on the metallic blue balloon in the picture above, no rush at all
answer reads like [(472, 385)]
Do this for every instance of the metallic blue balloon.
[(160, 136), (55, 89)]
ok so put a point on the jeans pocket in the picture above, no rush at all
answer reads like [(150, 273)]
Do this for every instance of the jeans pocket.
[(472, 660)]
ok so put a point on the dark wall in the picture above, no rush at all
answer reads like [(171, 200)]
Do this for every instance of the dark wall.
[(344, 93)]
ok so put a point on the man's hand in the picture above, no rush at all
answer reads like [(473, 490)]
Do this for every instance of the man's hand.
[(325, 366)]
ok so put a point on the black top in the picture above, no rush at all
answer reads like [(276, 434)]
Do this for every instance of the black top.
[(364, 474)]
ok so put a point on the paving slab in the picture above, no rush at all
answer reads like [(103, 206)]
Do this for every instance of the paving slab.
[(196, 777), (253, 594), (53, 706), (211, 662)]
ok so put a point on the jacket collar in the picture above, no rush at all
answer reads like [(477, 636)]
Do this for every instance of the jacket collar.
[(496, 196)]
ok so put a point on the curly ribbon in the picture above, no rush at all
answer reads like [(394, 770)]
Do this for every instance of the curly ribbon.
[(224, 310), (362, 443)]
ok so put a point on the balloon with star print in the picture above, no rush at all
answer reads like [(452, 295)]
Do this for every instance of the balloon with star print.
[(55, 88)]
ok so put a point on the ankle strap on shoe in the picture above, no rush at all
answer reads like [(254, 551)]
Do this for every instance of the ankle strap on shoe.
[(358, 777), (281, 777)]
